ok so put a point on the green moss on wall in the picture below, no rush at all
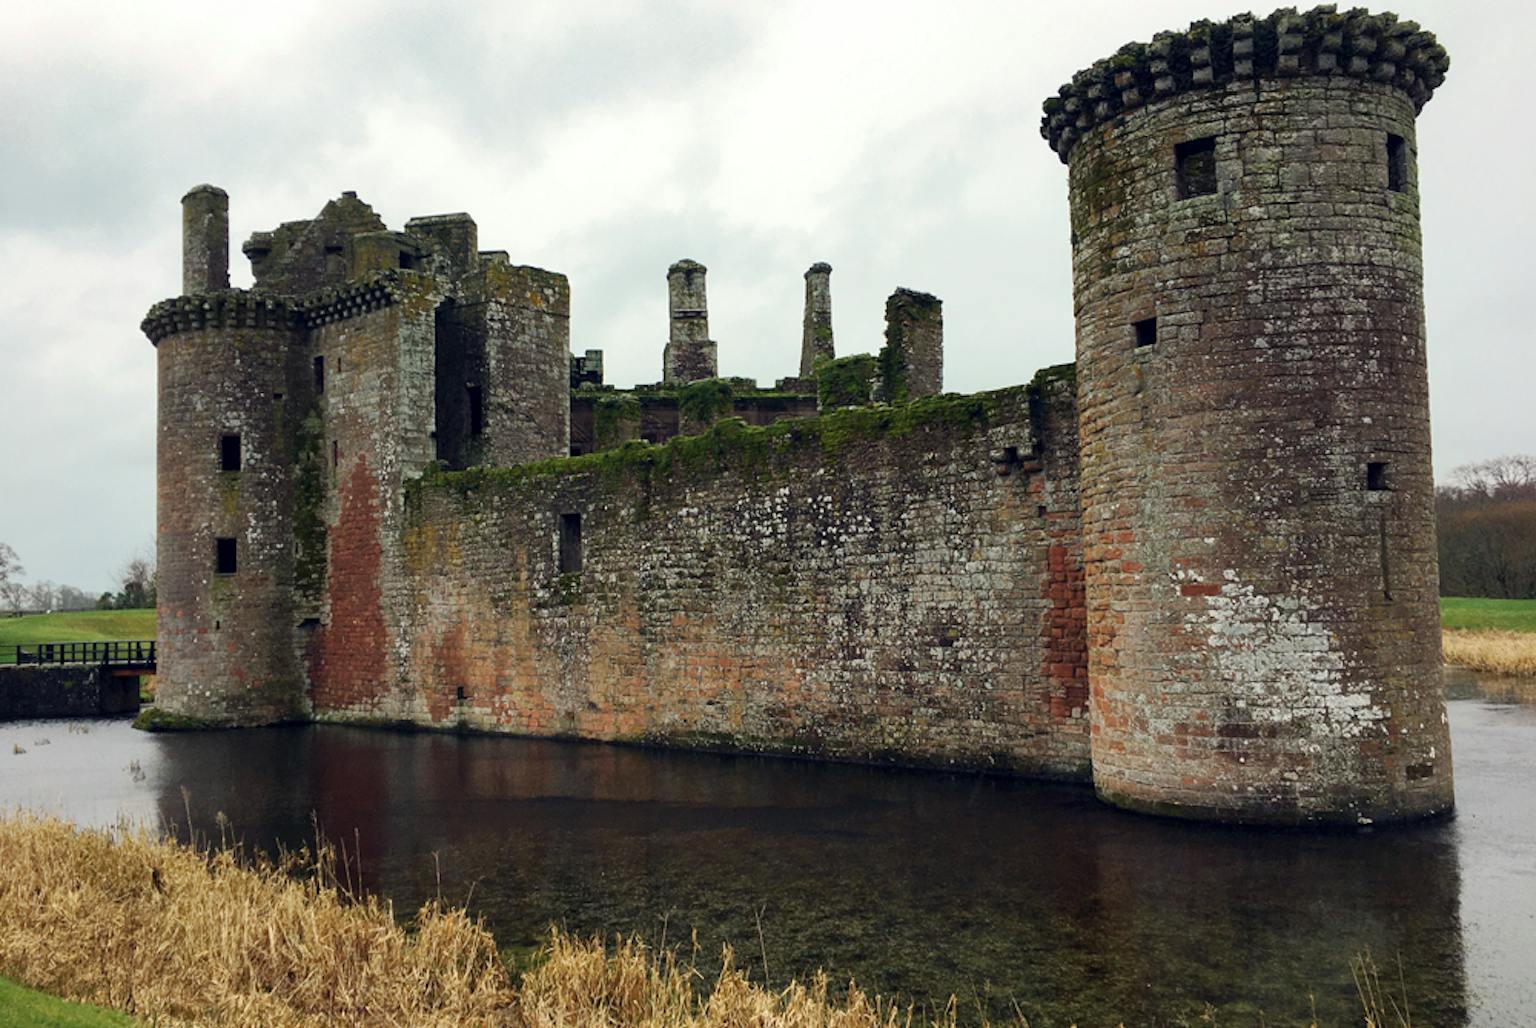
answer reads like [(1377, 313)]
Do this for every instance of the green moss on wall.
[(615, 419), (703, 403), (758, 452), (846, 381)]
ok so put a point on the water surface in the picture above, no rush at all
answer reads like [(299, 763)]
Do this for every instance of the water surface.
[(1002, 891)]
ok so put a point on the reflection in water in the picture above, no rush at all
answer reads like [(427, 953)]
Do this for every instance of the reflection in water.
[(1002, 891)]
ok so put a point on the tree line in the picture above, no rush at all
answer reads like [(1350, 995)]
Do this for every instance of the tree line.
[(136, 588), (1487, 516)]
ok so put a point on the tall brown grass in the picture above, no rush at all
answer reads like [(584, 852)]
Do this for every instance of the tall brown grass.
[(201, 935), (196, 934), (1491, 650)]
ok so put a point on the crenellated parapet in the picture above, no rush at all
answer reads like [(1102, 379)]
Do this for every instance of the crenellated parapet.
[(1322, 41)]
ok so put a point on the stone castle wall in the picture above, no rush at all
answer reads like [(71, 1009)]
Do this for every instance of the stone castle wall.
[(897, 585), (1199, 562)]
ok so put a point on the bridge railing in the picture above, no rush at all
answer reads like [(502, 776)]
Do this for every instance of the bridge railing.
[(119, 653)]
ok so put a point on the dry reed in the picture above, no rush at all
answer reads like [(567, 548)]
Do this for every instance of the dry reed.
[(199, 935), (188, 935), (1491, 650)]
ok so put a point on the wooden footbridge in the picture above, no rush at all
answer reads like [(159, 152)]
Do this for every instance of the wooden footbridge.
[(136, 657)]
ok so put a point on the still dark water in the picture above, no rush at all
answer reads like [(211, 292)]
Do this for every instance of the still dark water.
[(1007, 893)]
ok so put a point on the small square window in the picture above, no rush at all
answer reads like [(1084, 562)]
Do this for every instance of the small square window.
[(229, 452), (1397, 163), (570, 543), (1195, 166), (224, 556), (1376, 476), (1146, 332)]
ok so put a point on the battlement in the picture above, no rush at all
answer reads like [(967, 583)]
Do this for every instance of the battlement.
[(1323, 41)]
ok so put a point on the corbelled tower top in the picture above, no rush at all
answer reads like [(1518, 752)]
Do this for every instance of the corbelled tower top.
[(1323, 41)]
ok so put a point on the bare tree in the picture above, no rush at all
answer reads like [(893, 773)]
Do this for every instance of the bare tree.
[(1510, 477), (43, 596), (1488, 529), (71, 598), (138, 578), (12, 592)]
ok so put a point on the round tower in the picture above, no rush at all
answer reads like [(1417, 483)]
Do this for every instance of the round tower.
[(1258, 507), (224, 495)]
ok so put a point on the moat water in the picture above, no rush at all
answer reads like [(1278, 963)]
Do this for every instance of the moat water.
[(1012, 895)]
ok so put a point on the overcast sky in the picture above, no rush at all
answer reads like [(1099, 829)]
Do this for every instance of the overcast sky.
[(898, 141)]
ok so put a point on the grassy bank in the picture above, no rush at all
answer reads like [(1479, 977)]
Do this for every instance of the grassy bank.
[(1474, 613), (1493, 636), (26, 1008), (74, 626)]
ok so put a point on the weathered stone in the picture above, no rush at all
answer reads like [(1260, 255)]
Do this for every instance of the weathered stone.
[(1199, 563)]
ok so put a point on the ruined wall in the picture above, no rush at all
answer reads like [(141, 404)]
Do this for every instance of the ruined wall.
[(527, 314), (1257, 499), (880, 583)]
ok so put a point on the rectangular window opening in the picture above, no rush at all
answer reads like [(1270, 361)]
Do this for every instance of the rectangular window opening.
[(319, 374), (570, 544), (1195, 167), (1397, 163), (1146, 332), (335, 454), (229, 452), (1376, 476), (224, 556), (476, 411)]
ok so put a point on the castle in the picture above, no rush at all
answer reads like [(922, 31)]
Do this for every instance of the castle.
[(1196, 567)]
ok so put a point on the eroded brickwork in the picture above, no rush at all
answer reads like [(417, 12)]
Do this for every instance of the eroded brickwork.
[(1257, 499), (1200, 560), (224, 651), (855, 586)]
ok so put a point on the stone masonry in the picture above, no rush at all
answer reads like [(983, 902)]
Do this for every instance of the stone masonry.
[(1197, 567), (816, 336), (690, 353)]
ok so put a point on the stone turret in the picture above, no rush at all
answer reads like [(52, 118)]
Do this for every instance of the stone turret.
[(1258, 509), (816, 337), (690, 353), (204, 240)]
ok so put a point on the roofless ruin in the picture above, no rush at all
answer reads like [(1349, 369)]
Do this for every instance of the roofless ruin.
[(1197, 565)]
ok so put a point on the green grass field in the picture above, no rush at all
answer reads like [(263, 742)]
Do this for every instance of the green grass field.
[(76, 626), (1473, 612), (21, 1007)]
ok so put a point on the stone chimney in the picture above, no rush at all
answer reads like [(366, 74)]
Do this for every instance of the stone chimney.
[(914, 346), (690, 354), (204, 240), (816, 338)]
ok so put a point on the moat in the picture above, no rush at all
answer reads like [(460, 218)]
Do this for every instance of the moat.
[(1001, 891)]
